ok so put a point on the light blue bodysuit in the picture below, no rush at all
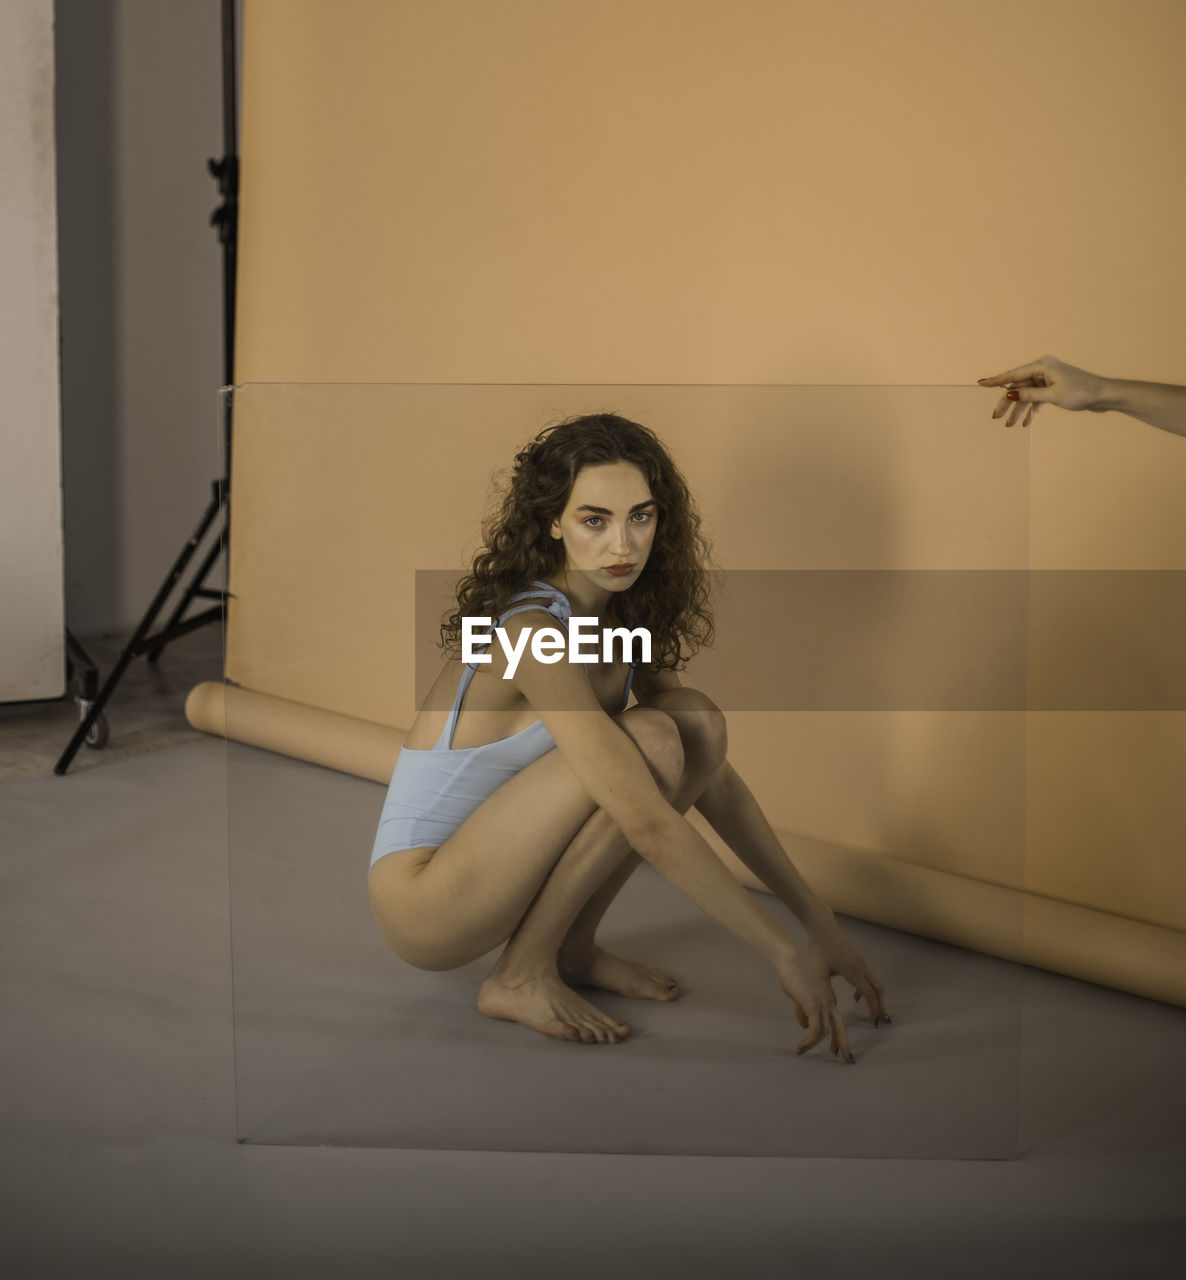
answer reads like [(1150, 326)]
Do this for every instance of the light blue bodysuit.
[(432, 792)]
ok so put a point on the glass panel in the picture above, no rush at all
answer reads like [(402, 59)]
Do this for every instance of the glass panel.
[(1105, 756), (869, 588)]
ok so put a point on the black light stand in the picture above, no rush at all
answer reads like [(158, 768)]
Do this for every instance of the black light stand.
[(93, 729)]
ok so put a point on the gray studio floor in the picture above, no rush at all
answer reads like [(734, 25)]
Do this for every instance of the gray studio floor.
[(136, 1055)]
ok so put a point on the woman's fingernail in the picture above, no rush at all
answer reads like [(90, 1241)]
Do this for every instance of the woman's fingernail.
[(1012, 395)]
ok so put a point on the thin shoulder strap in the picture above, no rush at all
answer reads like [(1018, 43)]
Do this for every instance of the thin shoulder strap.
[(558, 597), (629, 683)]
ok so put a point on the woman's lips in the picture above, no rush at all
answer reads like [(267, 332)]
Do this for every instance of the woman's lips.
[(619, 570)]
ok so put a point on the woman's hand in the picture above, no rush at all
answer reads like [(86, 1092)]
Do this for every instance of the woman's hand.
[(815, 1004), (830, 952), (1045, 381)]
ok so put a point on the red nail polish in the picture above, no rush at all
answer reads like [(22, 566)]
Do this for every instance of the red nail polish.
[(1012, 395)]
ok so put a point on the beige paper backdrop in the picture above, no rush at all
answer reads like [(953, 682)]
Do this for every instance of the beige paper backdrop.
[(767, 192)]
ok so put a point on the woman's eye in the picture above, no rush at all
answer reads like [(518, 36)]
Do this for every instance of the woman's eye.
[(641, 516)]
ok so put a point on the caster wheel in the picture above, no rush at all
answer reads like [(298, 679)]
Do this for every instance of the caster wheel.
[(96, 737)]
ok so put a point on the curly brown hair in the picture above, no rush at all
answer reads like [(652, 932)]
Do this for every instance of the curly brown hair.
[(670, 597)]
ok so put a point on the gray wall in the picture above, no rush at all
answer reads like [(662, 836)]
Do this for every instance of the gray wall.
[(31, 565), (139, 111)]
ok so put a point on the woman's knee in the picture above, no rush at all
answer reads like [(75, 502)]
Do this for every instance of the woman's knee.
[(657, 736), (701, 724)]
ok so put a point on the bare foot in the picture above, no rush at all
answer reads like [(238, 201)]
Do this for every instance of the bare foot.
[(598, 968), (545, 1004)]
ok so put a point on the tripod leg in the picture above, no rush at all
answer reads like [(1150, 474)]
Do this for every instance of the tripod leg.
[(135, 644), (195, 587)]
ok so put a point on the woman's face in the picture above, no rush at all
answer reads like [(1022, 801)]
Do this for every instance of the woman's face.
[(610, 521)]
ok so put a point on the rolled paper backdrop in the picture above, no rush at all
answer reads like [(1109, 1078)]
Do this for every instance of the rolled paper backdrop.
[(1096, 946), (290, 729)]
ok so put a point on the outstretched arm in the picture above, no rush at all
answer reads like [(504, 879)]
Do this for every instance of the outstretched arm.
[(1052, 381)]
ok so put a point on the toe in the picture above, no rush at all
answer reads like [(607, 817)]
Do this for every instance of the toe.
[(668, 988), (599, 1031)]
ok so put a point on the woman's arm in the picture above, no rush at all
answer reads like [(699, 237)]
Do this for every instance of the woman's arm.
[(1053, 381), (730, 809), (1160, 404)]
